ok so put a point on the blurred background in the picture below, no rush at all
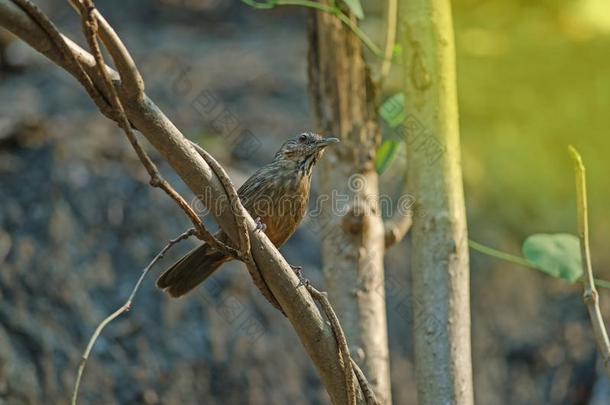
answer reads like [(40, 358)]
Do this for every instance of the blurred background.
[(78, 220)]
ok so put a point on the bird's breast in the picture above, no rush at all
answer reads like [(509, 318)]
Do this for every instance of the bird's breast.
[(284, 211)]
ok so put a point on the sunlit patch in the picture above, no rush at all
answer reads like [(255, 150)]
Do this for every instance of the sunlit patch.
[(594, 12), (482, 42)]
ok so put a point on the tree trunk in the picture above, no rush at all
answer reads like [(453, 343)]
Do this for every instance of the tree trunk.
[(440, 243), (344, 102)]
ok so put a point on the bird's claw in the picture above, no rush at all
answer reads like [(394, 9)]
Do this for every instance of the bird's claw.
[(303, 282), (298, 270), (260, 225)]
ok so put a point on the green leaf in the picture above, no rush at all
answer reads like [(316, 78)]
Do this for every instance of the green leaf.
[(557, 255), (356, 8), (393, 110), (386, 154), (397, 51)]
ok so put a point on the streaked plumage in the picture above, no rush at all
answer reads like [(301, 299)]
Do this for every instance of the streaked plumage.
[(277, 193)]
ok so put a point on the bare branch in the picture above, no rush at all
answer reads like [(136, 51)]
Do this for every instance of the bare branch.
[(354, 370), (236, 206), (344, 358), (122, 309), (590, 295), (396, 229), (240, 218), (316, 336), (131, 80), (390, 40), (90, 27), (366, 388), (66, 54)]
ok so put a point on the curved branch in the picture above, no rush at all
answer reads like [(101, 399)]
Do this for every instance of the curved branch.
[(90, 26), (345, 358), (131, 80), (315, 334), (66, 55), (369, 394), (396, 228), (245, 253), (122, 309)]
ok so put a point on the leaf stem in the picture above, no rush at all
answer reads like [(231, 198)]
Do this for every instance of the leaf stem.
[(321, 7), (498, 254)]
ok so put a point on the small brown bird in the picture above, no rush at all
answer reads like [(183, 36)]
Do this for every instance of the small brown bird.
[(276, 194)]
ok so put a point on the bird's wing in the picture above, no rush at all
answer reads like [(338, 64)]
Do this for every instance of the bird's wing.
[(257, 185)]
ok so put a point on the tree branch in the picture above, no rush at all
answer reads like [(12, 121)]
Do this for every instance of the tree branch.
[(316, 336), (124, 308), (240, 216), (390, 41), (396, 228), (90, 16), (66, 55), (131, 80), (440, 273), (366, 388), (345, 358), (590, 295)]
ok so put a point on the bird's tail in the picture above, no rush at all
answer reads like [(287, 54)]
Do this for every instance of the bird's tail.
[(191, 270)]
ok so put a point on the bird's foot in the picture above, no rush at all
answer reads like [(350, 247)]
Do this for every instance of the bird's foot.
[(260, 226), (298, 270)]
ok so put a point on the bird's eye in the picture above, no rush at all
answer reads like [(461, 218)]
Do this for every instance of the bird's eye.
[(302, 138)]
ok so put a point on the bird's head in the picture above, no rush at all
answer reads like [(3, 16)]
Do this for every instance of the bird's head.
[(304, 150)]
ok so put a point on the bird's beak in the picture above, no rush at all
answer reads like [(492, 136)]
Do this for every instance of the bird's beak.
[(324, 142)]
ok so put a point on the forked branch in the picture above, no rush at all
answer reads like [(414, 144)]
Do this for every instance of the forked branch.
[(140, 112)]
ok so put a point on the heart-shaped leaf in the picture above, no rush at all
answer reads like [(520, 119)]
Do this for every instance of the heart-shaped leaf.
[(557, 255), (386, 154), (356, 8), (393, 110)]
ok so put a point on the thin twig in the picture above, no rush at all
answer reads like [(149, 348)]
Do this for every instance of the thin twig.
[(498, 254), (244, 239), (89, 19), (72, 63), (390, 40), (122, 309), (590, 295), (344, 355), (131, 79), (368, 392), (334, 10), (306, 320), (237, 208)]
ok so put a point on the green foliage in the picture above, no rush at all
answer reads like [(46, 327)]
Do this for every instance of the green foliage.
[(356, 8), (392, 111), (557, 255), (386, 154), (397, 51)]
